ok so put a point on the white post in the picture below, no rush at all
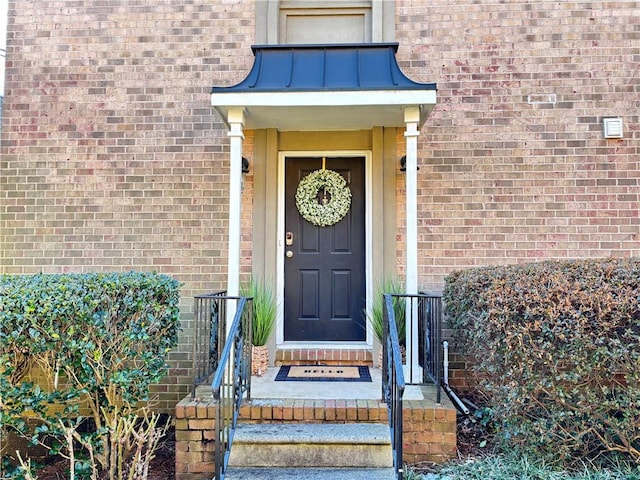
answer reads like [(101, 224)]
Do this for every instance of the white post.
[(236, 122), (411, 119)]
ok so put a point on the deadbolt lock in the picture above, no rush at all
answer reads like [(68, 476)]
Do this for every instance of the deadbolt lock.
[(288, 239)]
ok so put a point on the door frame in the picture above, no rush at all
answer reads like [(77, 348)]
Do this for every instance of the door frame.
[(280, 247)]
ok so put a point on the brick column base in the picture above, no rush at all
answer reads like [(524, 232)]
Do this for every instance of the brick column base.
[(195, 439), (429, 433)]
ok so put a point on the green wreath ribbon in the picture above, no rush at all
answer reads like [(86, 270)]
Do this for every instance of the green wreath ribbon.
[(319, 214)]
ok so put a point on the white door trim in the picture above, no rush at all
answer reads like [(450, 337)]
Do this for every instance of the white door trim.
[(368, 167)]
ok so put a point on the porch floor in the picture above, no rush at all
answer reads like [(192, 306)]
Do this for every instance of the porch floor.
[(267, 387)]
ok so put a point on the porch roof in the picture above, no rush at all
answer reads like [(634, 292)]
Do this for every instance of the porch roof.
[(325, 87)]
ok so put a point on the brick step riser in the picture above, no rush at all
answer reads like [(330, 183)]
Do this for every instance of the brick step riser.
[(311, 356), (305, 411)]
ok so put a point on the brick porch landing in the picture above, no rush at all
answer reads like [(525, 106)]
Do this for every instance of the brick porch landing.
[(429, 428)]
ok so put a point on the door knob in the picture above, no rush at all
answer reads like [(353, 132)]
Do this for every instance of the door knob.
[(289, 254)]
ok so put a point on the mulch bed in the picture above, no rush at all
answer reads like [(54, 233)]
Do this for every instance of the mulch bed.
[(162, 467)]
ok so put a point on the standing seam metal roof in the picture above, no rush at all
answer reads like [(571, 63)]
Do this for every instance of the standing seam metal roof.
[(316, 68)]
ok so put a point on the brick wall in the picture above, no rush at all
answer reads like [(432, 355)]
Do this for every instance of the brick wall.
[(513, 164), (503, 180), (112, 158)]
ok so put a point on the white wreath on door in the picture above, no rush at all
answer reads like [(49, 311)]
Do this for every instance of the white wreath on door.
[(336, 195)]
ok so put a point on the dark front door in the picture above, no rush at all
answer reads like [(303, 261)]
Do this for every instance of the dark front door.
[(324, 294)]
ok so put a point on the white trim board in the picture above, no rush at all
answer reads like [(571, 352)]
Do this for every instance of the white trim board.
[(326, 110)]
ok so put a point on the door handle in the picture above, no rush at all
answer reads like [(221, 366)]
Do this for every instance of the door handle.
[(289, 254), (288, 239)]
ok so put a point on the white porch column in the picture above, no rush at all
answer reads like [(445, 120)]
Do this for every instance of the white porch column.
[(235, 119), (411, 119)]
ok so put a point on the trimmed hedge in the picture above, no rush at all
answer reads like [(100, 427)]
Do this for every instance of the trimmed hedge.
[(556, 346), (98, 340)]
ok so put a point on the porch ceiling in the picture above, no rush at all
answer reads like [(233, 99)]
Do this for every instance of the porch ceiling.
[(325, 87)]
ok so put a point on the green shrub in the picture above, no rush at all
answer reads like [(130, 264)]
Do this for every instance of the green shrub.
[(556, 345), (99, 341)]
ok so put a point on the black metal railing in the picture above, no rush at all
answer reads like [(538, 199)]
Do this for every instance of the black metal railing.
[(423, 320), (430, 339), (231, 381), (393, 380), (209, 334)]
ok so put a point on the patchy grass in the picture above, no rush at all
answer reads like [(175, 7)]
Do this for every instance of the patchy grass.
[(513, 467)]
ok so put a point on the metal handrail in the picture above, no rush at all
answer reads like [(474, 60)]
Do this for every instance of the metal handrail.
[(231, 381), (430, 339), (423, 315), (209, 333), (393, 381)]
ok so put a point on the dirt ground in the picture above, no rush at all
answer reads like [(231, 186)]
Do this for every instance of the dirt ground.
[(162, 467)]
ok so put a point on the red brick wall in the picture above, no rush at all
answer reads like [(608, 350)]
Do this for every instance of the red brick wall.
[(503, 180), (112, 158)]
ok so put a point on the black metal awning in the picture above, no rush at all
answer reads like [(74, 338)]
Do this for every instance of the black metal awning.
[(325, 87)]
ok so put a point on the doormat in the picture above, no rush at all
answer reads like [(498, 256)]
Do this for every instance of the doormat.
[(322, 373)]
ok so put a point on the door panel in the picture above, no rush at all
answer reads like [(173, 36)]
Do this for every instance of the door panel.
[(309, 237), (324, 276), (309, 294), (340, 293)]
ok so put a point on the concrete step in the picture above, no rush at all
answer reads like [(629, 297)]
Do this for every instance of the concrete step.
[(310, 474), (308, 445)]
